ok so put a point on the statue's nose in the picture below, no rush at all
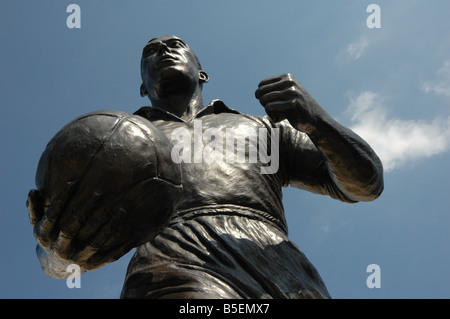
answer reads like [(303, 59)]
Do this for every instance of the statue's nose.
[(163, 48)]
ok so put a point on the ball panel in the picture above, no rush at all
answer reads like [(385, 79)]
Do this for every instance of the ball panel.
[(167, 168), (125, 158), (70, 151)]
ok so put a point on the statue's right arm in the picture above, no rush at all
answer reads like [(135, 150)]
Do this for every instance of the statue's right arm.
[(304, 165)]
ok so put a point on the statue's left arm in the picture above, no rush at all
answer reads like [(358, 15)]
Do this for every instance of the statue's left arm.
[(353, 170)]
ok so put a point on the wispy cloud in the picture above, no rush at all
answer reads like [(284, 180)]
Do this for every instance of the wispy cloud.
[(397, 142), (442, 86), (356, 50)]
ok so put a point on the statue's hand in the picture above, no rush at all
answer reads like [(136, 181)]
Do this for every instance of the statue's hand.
[(283, 97), (62, 231), (43, 219)]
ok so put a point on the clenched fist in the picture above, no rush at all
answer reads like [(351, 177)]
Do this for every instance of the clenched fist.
[(283, 97)]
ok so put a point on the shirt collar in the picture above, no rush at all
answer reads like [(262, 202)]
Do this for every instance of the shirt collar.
[(156, 113)]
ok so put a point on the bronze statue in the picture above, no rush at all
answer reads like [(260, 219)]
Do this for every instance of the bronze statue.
[(227, 237)]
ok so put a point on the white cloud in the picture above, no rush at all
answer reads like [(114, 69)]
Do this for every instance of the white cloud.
[(441, 87), (397, 142), (356, 49)]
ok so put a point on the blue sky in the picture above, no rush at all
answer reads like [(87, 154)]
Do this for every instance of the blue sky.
[(390, 84)]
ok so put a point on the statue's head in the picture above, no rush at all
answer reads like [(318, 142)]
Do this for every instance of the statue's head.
[(168, 66)]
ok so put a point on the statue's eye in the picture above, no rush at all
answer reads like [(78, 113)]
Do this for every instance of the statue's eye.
[(149, 50), (176, 44)]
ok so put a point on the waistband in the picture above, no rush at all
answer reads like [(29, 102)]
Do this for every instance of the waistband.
[(230, 210)]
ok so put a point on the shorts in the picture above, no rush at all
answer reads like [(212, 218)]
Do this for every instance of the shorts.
[(222, 252)]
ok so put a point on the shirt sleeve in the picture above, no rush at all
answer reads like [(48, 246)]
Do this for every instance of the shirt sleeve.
[(304, 166)]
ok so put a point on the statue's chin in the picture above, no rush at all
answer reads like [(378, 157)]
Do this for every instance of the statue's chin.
[(173, 81)]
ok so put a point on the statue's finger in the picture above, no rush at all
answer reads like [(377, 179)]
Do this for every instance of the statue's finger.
[(60, 201), (34, 206), (77, 216), (271, 87)]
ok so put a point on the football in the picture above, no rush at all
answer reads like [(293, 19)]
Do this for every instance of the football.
[(121, 156)]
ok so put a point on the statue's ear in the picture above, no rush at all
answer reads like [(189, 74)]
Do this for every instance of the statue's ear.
[(204, 78), (143, 90)]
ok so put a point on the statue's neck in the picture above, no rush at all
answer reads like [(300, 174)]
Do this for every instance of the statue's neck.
[(185, 107)]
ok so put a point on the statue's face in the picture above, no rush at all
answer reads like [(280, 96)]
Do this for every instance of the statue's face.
[(168, 60)]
